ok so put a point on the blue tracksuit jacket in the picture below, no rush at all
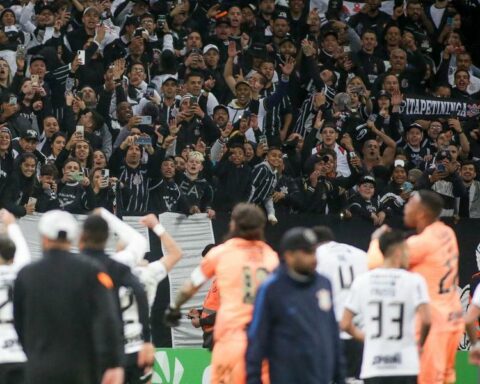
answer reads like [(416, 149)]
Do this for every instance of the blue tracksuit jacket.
[(294, 327)]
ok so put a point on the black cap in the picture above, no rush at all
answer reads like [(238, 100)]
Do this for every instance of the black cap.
[(221, 21), (29, 134), (442, 155), (38, 57), (281, 15), (299, 239), (131, 20), (414, 125), (258, 50), (367, 180), (383, 93), (220, 106), (44, 7), (287, 39)]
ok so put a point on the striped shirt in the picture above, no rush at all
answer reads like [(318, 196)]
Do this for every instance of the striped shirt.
[(263, 184)]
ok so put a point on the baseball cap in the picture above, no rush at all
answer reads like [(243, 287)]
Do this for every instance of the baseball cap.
[(58, 225), (414, 125), (209, 47), (299, 238), (280, 15), (221, 21), (399, 163), (383, 93), (258, 50), (170, 78), (367, 180), (220, 106), (36, 58), (29, 134), (287, 39), (242, 82), (91, 10)]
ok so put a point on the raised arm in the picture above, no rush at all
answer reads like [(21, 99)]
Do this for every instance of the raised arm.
[(22, 253), (173, 253), (136, 244)]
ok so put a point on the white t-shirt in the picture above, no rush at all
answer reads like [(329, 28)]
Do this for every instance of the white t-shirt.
[(342, 264), (10, 349), (437, 14), (149, 275), (388, 299)]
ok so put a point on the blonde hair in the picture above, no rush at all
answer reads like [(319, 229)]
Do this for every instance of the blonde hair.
[(196, 155)]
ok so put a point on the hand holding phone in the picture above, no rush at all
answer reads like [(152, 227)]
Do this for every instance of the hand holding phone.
[(81, 57), (80, 131)]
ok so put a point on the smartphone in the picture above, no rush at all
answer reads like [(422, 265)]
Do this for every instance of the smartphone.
[(139, 32), (105, 176), (193, 100), (32, 201), (407, 186), (161, 21), (149, 93), (441, 167), (146, 120), (77, 176), (12, 100), (263, 140), (35, 81), (69, 84), (79, 94), (450, 21), (143, 140), (81, 56), (80, 130), (20, 51)]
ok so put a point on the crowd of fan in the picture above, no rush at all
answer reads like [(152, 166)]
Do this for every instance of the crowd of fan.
[(155, 106)]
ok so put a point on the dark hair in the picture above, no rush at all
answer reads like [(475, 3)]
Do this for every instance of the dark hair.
[(207, 249), (249, 222), (323, 233), (89, 160), (95, 232), (467, 162), (7, 247), (48, 170), (431, 201), (389, 240), (194, 74)]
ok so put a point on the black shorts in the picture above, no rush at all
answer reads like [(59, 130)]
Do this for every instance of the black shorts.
[(12, 373), (132, 372), (353, 351), (392, 380)]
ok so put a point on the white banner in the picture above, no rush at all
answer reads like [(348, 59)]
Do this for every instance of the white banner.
[(349, 7), (29, 226), (193, 233)]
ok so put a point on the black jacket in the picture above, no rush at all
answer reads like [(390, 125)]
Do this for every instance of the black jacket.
[(64, 314), (295, 329)]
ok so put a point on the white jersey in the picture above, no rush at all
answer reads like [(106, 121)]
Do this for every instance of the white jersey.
[(341, 264), (150, 276), (10, 349), (476, 297), (388, 299)]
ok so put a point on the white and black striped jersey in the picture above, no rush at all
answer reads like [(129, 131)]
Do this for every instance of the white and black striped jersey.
[(264, 179), (388, 299), (10, 349), (342, 264)]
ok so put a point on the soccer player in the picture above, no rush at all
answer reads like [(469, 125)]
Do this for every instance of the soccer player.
[(471, 320), (240, 265), (342, 264), (434, 255), (388, 298), (14, 254), (294, 325), (139, 350)]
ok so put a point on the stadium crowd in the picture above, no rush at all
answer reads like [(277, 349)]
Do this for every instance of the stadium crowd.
[(160, 106)]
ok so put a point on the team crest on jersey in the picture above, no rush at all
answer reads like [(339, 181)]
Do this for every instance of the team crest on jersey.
[(324, 300)]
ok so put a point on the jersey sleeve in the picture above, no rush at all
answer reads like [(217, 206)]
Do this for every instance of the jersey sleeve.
[(420, 294), (206, 270), (418, 247)]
